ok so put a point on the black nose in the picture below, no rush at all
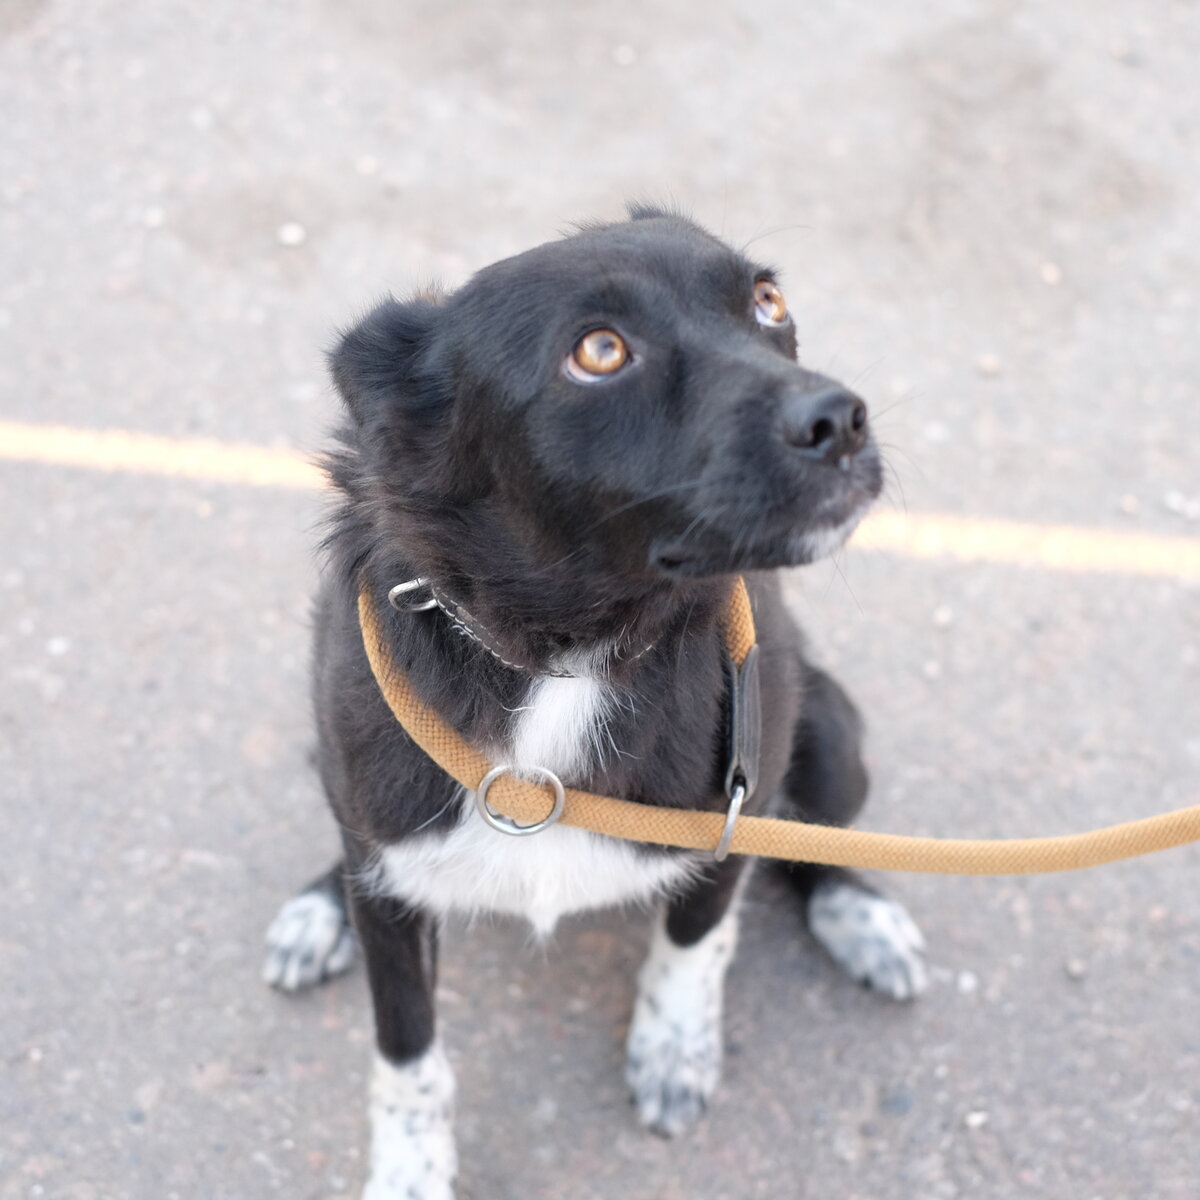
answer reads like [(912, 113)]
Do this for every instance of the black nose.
[(829, 424)]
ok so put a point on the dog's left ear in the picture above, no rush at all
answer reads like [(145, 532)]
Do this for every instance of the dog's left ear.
[(378, 364)]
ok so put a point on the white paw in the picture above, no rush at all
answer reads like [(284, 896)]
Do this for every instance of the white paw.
[(871, 938), (671, 1070), (673, 1055), (412, 1132), (309, 941)]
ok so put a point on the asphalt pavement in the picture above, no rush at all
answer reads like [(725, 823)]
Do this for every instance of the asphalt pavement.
[(986, 218)]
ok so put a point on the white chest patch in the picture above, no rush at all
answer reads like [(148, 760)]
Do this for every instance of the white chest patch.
[(476, 869), (562, 725)]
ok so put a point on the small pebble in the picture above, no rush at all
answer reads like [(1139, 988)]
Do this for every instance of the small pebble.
[(968, 982), (989, 365), (943, 616), (153, 217), (976, 1120), (932, 669), (1075, 968), (1187, 507), (291, 233), (366, 164), (1051, 273), (624, 55), (56, 647), (1129, 505)]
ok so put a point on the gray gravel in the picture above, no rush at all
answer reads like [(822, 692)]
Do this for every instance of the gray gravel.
[(986, 216)]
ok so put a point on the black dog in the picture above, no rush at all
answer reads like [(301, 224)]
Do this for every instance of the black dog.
[(576, 453)]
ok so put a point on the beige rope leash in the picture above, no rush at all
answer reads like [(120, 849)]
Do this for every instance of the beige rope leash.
[(766, 837)]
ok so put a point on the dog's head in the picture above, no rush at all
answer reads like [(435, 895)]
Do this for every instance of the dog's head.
[(625, 401)]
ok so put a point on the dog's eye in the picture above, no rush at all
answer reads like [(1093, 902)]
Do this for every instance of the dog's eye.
[(598, 353), (769, 305)]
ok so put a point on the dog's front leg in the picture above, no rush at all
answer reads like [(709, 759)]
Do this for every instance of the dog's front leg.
[(412, 1086), (673, 1059)]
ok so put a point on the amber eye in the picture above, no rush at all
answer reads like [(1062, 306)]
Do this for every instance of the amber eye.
[(598, 353), (769, 305)]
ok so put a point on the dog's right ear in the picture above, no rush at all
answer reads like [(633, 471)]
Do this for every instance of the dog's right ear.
[(377, 364)]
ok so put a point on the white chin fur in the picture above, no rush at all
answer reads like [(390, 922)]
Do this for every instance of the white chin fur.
[(821, 543)]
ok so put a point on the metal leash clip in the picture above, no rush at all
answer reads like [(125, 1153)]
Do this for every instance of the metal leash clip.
[(745, 739), (396, 596), (736, 799)]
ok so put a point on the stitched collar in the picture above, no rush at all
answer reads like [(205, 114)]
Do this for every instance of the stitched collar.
[(405, 597)]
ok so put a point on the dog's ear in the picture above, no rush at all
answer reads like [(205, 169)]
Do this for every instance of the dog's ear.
[(377, 365)]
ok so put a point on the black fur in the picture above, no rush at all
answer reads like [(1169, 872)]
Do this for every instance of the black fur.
[(541, 505), (562, 514)]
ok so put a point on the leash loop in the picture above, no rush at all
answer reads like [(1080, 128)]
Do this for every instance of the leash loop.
[(497, 820)]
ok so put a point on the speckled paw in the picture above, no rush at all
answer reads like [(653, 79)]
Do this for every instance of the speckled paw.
[(671, 1080), (412, 1135), (308, 942), (871, 938)]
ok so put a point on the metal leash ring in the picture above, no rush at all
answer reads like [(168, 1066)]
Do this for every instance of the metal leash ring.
[(396, 596), (497, 820)]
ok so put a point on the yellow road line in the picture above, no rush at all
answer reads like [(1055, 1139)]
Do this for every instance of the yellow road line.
[(913, 535), (1014, 543), (150, 454)]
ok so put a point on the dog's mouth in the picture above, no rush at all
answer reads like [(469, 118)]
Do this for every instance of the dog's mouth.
[(786, 512), (708, 549)]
